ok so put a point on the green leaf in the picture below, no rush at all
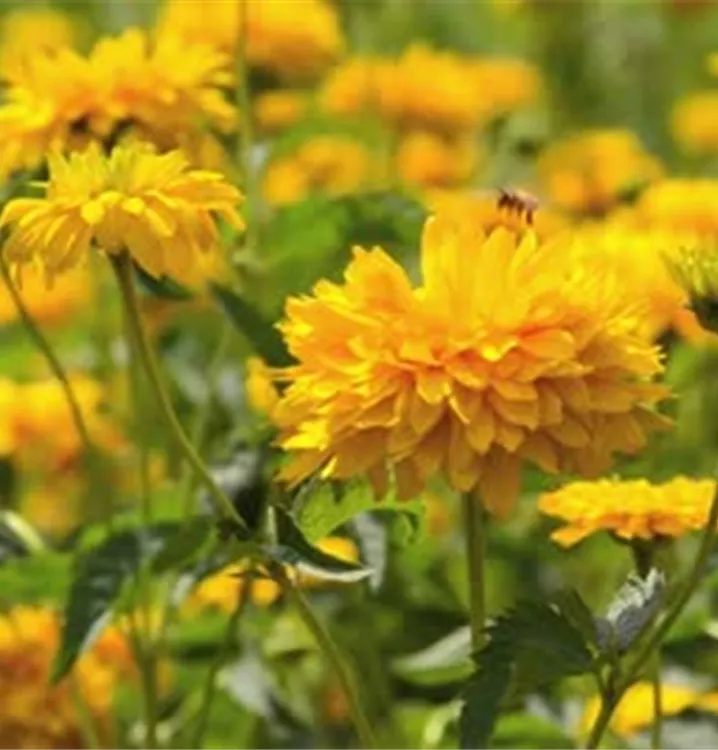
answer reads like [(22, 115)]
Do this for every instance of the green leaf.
[(185, 545), (40, 578), (523, 730), (260, 333), (166, 288), (294, 549), (578, 613), (444, 662), (531, 645), (17, 537), (98, 581), (321, 507)]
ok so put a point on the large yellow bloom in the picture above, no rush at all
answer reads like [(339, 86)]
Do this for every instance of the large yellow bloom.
[(510, 351), (684, 205), (634, 509), (290, 38), (590, 171), (152, 206), (34, 713)]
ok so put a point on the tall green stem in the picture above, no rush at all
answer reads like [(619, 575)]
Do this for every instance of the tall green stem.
[(657, 727), (48, 352), (653, 642), (475, 541), (123, 268), (334, 656)]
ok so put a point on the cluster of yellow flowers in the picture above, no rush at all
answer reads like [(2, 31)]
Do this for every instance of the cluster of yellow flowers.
[(36, 714)]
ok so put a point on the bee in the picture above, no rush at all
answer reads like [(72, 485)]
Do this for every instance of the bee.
[(520, 202)]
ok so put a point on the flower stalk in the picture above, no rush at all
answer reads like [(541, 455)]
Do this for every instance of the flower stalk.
[(123, 269), (475, 540)]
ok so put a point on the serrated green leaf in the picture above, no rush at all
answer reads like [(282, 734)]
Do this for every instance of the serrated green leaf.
[(98, 580), (444, 662), (260, 333), (292, 548), (578, 613), (529, 646), (322, 507), (184, 546)]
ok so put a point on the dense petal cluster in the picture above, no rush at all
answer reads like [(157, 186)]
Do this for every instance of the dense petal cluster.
[(329, 164), (34, 713), (151, 205), (65, 100), (449, 378), (632, 509), (284, 37), (590, 171), (36, 425)]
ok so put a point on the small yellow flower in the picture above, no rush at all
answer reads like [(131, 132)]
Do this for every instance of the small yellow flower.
[(589, 172), (288, 38), (152, 206), (332, 165), (448, 378), (632, 509), (635, 711), (504, 85), (694, 122), (352, 88), (35, 713), (278, 110), (426, 160)]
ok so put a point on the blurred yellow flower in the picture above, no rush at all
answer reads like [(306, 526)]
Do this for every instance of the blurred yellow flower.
[(35, 713), (288, 38), (69, 294), (452, 378), (694, 122), (352, 88), (278, 110), (37, 428), (334, 165), (684, 205), (426, 160), (635, 711), (152, 206), (262, 394), (163, 88), (504, 85), (54, 509), (28, 31), (631, 509), (590, 171), (429, 90)]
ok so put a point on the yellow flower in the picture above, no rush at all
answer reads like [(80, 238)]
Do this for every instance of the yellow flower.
[(635, 711), (35, 713), (510, 351), (68, 295), (37, 426), (262, 394), (591, 171), (334, 165), (352, 88), (54, 508), (28, 31), (688, 206), (288, 38), (152, 206), (632, 509), (429, 90), (278, 110), (336, 546), (426, 160), (503, 86), (694, 122)]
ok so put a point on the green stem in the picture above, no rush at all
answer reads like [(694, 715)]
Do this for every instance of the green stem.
[(123, 268), (84, 715), (48, 352), (656, 729), (474, 536), (654, 641), (332, 653), (144, 654), (210, 685)]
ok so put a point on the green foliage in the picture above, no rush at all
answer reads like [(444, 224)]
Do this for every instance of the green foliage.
[(444, 662), (260, 333), (532, 645)]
